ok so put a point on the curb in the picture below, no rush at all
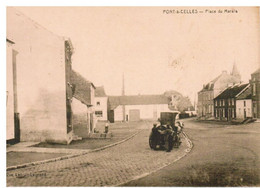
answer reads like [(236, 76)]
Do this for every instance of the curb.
[(70, 156), (190, 146)]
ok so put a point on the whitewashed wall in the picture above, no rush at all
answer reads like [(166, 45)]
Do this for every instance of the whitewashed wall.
[(118, 113), (240, 108), (40, 79), (102, 107), (146, 111), (9, 94), (80, 113), (78, 107)]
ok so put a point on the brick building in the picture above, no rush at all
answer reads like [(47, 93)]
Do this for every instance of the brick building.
[(225, 105), (205, 105)]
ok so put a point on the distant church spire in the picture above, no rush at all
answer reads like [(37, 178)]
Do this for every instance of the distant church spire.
[(235, 72)]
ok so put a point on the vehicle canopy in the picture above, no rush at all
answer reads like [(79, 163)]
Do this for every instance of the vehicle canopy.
[(168, 117)]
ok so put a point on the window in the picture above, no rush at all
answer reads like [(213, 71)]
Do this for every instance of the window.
[(99, 113), (98, 103), (244, 103)]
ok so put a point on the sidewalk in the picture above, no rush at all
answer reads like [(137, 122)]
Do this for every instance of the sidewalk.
[(28, 152)]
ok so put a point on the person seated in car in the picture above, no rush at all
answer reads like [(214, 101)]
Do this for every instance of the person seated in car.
[(179, 126), (168, 128)]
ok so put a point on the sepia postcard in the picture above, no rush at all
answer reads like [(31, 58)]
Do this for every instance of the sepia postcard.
[(132, 96)]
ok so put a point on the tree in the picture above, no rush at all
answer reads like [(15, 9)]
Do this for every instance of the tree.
[(178, 101)]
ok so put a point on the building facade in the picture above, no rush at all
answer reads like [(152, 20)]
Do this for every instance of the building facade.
[(83, 103), (101, 100), (255, 87), (12, 117), (42, 90), (244, 104), (137, 107), (225, 104), (205, 105)]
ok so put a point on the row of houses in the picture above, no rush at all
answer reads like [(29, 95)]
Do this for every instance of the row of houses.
[(227, 98)]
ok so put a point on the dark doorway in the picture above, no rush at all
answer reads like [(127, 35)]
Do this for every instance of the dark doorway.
[(111, 116), (244, 113)]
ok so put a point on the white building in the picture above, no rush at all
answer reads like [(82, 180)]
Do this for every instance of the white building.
[(12, 126), (138, 107), (101, 104), (244, 104), (40, 77)]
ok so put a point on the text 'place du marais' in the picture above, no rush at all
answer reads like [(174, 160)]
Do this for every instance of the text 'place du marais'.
[(133, 96)]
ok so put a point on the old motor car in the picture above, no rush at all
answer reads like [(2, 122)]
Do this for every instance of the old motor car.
[(166, 135)]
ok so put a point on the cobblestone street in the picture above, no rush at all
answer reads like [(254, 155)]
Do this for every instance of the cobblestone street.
[(109, 167)]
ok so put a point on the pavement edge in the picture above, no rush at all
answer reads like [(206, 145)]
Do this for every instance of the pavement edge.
[(70, 156)]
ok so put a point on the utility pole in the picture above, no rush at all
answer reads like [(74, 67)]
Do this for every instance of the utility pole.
[(123, 94), (123, 85)]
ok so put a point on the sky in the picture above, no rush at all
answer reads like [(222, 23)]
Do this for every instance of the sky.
[(154, 50)]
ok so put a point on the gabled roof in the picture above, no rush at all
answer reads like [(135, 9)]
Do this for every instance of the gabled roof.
[(232, 91), (246, 94), (115, 101), (100, 92), (210, 86), (82, 88)]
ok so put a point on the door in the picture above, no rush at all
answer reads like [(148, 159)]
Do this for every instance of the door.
[(91, 122), (229, 114), (134, 115), (111, 116), (69, 115), (244, 113)]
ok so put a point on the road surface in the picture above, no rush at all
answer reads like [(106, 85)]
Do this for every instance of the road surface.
[(109, 167), (221, 156)]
